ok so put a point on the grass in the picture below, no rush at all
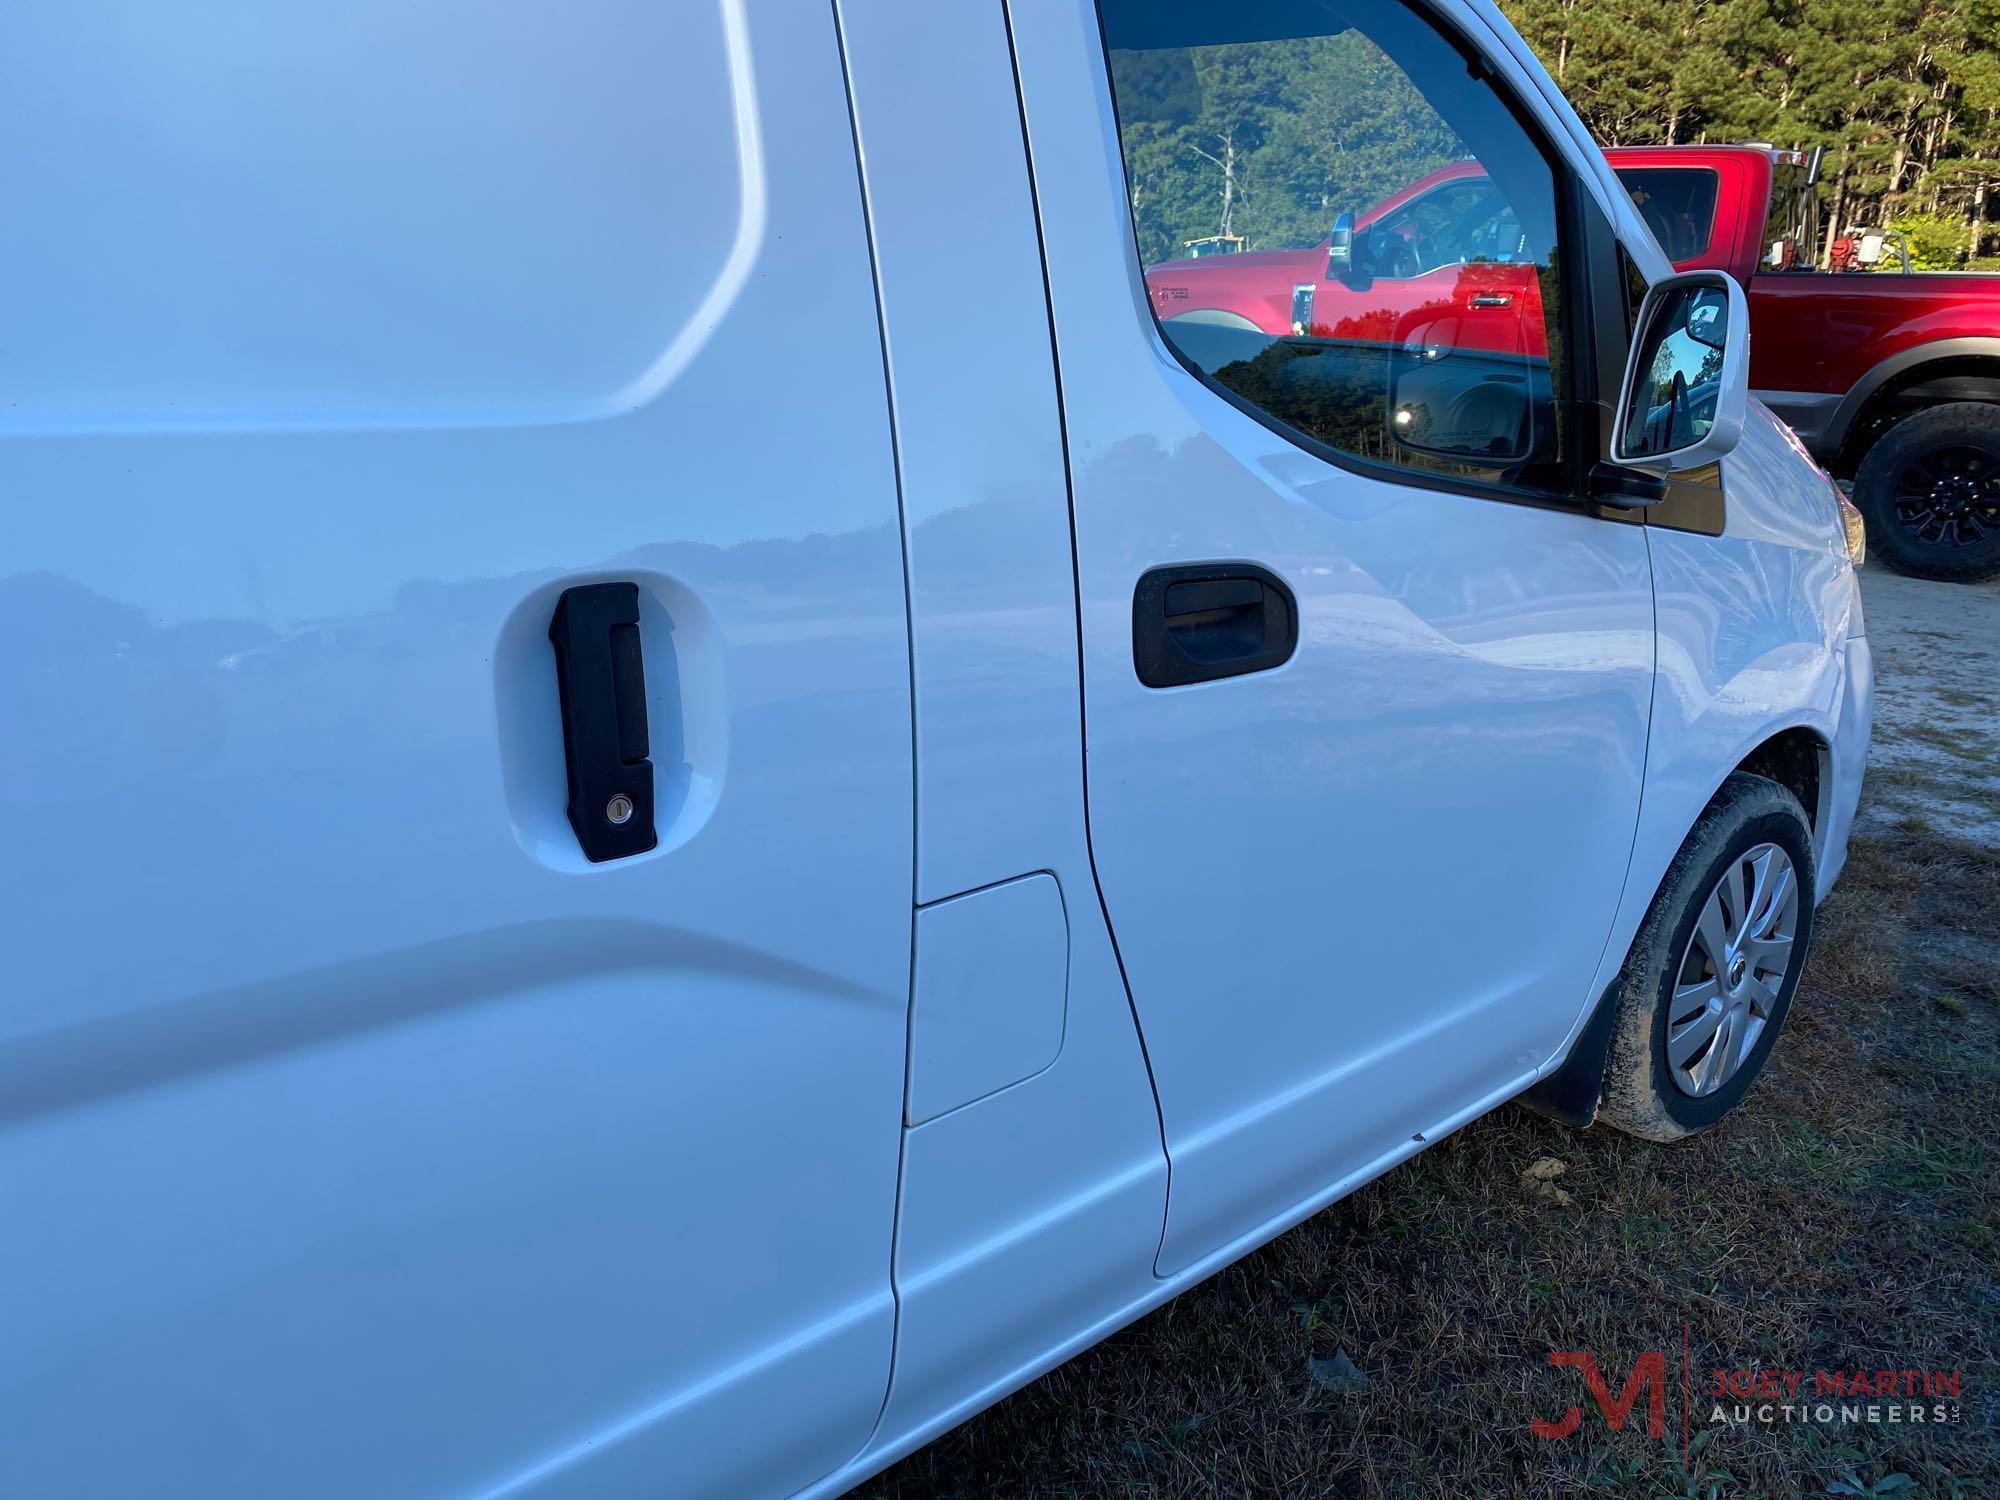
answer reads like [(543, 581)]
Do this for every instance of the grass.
[(1847, 1216), (1967, 744)]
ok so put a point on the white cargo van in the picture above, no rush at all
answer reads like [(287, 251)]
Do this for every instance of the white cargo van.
[(682, 790)]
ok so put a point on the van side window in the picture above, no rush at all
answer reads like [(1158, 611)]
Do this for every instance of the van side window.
[(1345, 229), (1636, 288)]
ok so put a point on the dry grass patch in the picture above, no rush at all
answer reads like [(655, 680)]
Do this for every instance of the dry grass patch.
[(1846, 1217)]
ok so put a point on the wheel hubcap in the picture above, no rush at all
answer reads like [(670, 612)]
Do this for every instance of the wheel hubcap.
[(1733, 970), (1950, 497)]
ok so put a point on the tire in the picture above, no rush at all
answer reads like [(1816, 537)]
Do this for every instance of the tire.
[(1930, 493), (1644, 1093)]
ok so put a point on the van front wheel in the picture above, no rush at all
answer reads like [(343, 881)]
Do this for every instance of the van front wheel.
[(1712, 972)]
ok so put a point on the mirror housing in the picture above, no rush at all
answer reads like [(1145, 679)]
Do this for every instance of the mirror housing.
[(1625, 489), (1708, 312), (1340, 248)]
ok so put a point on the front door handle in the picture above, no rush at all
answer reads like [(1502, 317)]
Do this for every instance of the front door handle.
[(1196, 622), (1491, 299)]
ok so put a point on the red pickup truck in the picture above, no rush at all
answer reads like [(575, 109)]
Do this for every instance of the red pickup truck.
[(1892, 378)]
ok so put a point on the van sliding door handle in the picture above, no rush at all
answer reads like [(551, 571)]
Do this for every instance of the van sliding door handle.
[(1201, 621), (1196, 597), (601, 680)]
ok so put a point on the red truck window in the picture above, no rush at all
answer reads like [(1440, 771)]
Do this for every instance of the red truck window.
[(1678, 205), (1391, 288), (1791, 226)]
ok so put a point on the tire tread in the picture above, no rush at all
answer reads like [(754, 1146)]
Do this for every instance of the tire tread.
[(1955, 421), (1632, 1099)]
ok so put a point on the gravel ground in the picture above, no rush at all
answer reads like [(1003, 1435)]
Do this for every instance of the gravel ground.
[(1936, 755)]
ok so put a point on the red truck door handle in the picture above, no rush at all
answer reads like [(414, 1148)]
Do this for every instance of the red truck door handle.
[(1490, 299)]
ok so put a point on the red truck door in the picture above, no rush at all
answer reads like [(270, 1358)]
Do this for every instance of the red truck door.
[(1450, 266)]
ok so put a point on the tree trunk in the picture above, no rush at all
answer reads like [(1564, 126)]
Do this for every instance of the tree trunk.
[(1837, 212), (1228, 180)]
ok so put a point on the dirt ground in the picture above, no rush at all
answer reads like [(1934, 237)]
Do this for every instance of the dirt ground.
[(1846, 1218), (1937, 713)]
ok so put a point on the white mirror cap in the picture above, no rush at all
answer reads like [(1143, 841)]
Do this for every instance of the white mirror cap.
[(1732, 398)]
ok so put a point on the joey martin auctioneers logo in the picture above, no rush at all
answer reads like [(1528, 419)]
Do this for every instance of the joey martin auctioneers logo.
[(1755, 1394)]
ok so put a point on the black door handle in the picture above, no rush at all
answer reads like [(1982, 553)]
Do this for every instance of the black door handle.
[(601, 677), (1199, 621)]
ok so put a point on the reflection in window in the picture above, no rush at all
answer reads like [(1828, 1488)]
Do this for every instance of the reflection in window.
[(1678, 205), (1389, 286)]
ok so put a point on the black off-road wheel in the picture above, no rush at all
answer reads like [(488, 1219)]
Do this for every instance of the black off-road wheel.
[(1711, 975), (1930, 493)]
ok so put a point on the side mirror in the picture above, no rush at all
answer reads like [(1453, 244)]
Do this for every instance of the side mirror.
[(1340, 249), (1687, 382)]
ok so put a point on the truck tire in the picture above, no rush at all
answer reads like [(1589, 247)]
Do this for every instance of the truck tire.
[(1712, 972), (1930, 493)]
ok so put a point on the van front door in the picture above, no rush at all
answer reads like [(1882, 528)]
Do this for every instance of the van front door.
[(1366, 691)]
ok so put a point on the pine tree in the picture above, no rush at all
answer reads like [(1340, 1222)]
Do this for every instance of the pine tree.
[(1903, 94)]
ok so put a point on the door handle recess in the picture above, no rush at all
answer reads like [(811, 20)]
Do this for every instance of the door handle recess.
[(1200, 621), (601, 679)]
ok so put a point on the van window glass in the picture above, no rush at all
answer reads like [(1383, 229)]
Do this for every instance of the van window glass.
[(1635, 292), (1390, 291)]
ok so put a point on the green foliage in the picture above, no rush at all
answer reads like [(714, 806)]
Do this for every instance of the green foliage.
[(1268, 140), (1903, 94), (1938, 242)]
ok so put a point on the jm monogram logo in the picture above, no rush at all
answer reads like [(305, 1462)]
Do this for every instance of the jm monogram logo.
[(1649, 1375)]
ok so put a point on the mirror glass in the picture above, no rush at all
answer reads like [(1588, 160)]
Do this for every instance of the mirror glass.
[(1673, 400)]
